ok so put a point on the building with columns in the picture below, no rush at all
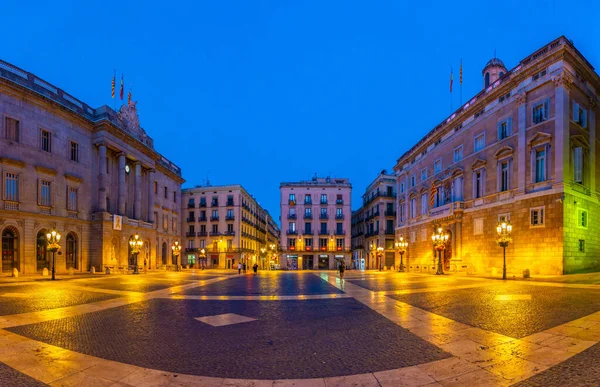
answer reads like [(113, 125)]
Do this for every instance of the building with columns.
[(91, 174), (224, 225), (373, 225), (315, 217), (523, 149)]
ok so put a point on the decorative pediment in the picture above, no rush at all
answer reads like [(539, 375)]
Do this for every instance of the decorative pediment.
[(503, 152), (46, 170), (9, 161), (579, 140), (540, 138), (479, 163), (74, 178), (130, 121), (457, 172), (423, 190)]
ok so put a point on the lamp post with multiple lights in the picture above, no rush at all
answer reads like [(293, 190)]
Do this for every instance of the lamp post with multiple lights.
[(203, 258), (136, 244), (401, 246), (176, 247), (504, 230), (53, 237), (439, 239), (380, 257)]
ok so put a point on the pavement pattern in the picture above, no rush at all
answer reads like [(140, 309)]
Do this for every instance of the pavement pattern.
[(299, 329)]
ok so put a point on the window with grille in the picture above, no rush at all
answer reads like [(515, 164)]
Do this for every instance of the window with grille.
[(72, 199), (537, 216), (11, 187), (46, 141), (45, 194), (74, 151)]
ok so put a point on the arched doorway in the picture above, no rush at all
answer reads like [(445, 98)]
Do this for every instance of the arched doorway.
[(41, 252), (164, 253), (72, 256), (10, 249)]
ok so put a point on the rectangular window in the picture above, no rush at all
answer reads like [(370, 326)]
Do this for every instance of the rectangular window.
[(174, 196), (11, 187), (413, 237), (401, 210), (582, 218), (308, 228), (478, 183), (174, 224), (323, 199), (424, 204), (413, 207), (437, 166), (537, 76), (339, 228), (581, 246), (504, 176), (540, 165), (292, 243), (578, 164), (74, 151), (339, 214), (215, 215), (479, 142), (45, 140), (478, 226), (504, 217), (505, 128), (401, 187), (292, 199), (230, 228), (45, 193), (156, 187), (339, 244), (579, 115), (292, 226), (72, 199), (458, 154), (308, 212), (540, 112), (215, 228), (307, 199), (12, 127), (423, 174), (537, 216), (165, 222), (230, 213), (166, 193)]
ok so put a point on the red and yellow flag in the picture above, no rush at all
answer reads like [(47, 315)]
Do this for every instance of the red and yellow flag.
[(432, 195), (129, 97), (112, 93), (122, 91)]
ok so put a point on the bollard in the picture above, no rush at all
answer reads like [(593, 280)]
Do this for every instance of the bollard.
[(45, 272), (107, 270), (93, 271), (70, 271), (15, 273)]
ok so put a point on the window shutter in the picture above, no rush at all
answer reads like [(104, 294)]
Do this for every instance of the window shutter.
[(546, 109), (575, 111), (509, 125)]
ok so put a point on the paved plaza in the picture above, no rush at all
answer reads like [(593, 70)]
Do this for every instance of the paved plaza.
[(218, 328)]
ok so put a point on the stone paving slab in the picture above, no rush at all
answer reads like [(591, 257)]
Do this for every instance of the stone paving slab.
[(136, 283), (24, 299), (13, 378), (289, 340), (390, 283), (548, 307), (267, 284)]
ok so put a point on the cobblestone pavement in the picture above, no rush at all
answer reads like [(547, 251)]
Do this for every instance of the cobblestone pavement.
[(511, 316), (10, 377), (267, 284), (300, 329)]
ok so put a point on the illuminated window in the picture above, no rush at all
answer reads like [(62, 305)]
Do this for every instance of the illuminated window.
[(537, 217)]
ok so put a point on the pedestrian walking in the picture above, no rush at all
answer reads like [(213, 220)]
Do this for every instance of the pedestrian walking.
[(239, 268), (342, 268), (255, 268), (244, 266)]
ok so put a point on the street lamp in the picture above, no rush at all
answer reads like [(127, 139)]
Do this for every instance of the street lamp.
[(401, 246), (53, 238), (203, 258), (263, 254), (504, 230), (136, 245), (439, 239), (176, 247), (379, 256), (273, 248)]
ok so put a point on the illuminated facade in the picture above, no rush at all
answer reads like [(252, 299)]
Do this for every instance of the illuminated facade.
[(91, 174), (315, 224), (229, 224), (523, 149), (373, 225)]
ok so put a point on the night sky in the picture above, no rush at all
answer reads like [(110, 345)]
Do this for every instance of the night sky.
[(260, 92)]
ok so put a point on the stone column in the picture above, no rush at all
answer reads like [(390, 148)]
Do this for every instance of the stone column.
[(562, 170), (102, 179), (151, 196), (122, 187), (592, 140), (138, 191), (521, 100)]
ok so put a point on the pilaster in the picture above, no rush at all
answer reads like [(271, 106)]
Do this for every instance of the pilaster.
[(521, 100), (102, 179), (561, 128), (122, 187), (592, 140), (138, 191)]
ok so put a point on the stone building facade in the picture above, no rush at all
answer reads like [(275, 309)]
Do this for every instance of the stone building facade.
[(522, 149), (91, 174), (373, 225), (229, 225), (315, 224)]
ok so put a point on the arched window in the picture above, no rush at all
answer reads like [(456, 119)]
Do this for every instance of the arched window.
[(41, 256), (10, 249), (487, 80), (71, 258), (164, 253)]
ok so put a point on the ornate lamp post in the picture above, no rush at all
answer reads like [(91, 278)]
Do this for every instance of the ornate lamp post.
[(401, 246), (136, 244), (53, 237), (380, 256), (504, 230), (273, 248), (176, 247), (203, 258), (263, 254), (439, 239)]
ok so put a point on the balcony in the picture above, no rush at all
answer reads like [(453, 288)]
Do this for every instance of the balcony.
[(379, 194), (214, 218), (339, 202), (191, 249), (292, 202), (292, 232), (323, 232), (215, 233), (229, 233), (191, 205), (190, 219), (324, 202), (229, 203), (307, 216), (323, 216), (230, 217), (339, 216), (190, 234), (308, 232), (203, 204), (308, 248), (340, 232), (389, 232), (390, 213), (308, 202), (202, 234), (291, 216), (215, 203), (202, 219), (375, 215)]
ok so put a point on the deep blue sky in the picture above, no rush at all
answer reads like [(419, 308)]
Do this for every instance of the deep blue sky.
[(260, 92)]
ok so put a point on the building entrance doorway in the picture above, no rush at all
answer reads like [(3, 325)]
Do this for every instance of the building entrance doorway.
[(10, 249), (307, 262), (323, 262)]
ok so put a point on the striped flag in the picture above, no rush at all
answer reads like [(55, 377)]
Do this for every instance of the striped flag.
[(460, 77), (122, 91), (451, 79), (432, 196), (112, 93)]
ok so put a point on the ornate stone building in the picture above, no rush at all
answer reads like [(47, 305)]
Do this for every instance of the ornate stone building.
[(315, 217), (91, 174), (373, 225), (229, 225), (522, 149)]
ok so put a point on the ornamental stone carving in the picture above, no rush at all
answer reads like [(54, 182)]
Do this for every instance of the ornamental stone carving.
[(563, 79), (130, 121), (521, 98)]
